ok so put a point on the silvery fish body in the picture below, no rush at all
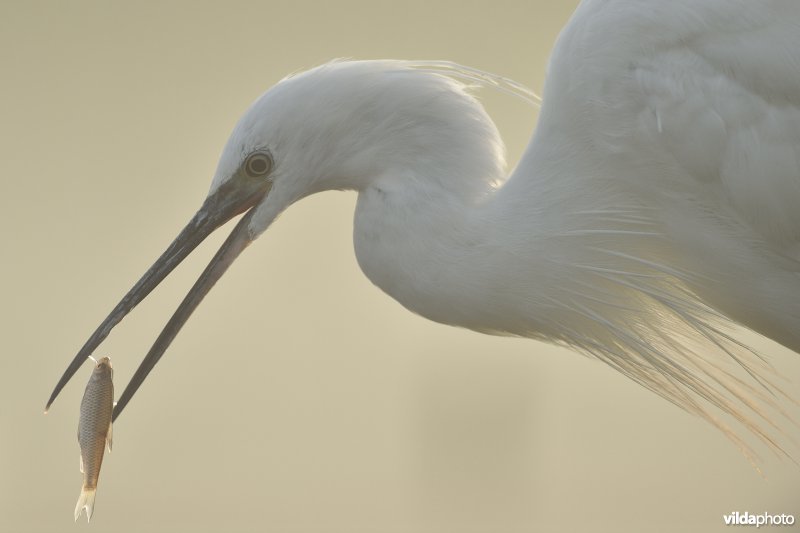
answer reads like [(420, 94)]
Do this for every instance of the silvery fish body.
[(94, 431)]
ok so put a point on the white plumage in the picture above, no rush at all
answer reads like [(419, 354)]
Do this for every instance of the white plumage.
[(654, 208)]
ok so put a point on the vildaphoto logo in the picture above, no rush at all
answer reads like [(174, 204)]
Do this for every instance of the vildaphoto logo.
[(764, 519)]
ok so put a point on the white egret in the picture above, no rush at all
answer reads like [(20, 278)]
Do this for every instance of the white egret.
[(655, 206)]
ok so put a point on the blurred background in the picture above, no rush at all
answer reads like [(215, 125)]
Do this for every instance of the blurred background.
[(298, 398)]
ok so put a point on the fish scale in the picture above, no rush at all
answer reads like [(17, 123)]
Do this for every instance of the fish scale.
[(94, 432)]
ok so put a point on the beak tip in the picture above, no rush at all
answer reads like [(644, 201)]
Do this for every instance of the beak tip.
[(218, 208)]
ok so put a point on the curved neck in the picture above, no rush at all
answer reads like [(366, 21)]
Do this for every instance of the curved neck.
[(467, 260), (433, 250)]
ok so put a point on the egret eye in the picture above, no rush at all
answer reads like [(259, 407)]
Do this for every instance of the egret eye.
[(258, 164)]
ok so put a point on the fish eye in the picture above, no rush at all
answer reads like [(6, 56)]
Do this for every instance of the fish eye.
[(258, 164)]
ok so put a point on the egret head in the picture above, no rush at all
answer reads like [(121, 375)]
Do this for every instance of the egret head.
[(343, 125)]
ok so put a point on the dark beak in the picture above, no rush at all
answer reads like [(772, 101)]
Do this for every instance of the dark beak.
[(232, 198)]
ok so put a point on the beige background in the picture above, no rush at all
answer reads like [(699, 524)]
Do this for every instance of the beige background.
[(299, 398)]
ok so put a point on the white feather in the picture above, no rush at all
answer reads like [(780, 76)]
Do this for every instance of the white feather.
[(654, 208)]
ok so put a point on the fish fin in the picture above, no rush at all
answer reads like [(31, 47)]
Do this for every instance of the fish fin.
[(80, 456), (109, 437), (85, 501)]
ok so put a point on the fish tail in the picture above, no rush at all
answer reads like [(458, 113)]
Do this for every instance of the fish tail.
[(85, 501)]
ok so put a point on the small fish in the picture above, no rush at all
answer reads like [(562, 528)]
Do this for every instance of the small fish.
[(94, 431)]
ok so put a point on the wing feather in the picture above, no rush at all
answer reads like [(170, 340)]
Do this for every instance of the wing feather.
[(710, 91), (664, 174)]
